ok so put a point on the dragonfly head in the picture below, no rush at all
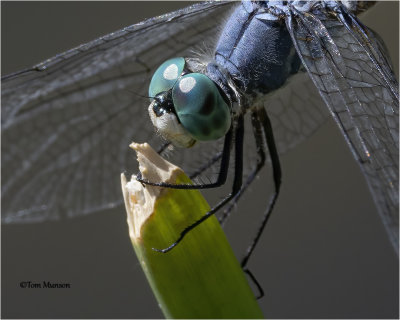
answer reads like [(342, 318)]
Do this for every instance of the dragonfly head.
[(186, 106)]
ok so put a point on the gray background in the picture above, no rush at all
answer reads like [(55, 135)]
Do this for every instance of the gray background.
[(325, 253)]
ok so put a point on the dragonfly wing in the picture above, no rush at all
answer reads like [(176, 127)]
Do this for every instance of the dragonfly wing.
[(296, 111), (353, 76), (67, 122)]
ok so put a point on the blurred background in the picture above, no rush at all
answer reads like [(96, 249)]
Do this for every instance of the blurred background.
[(325, 253)]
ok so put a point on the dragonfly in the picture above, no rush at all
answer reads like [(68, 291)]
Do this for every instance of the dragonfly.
[(91, 195)]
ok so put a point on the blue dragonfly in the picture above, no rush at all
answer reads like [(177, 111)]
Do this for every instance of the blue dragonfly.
[(57, 80), (92, 133)]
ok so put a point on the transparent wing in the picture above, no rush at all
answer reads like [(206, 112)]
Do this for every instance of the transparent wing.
[(67, 122), (296, 111), (351, 71)]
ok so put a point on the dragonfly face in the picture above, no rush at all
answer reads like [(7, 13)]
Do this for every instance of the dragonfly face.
[(320, 203), (186, 106)]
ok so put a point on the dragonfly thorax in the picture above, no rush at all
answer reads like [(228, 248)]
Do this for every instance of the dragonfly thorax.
[(255, 50)]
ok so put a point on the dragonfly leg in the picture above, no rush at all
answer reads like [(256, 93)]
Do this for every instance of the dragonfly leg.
[(277, 174), (206, 165), (222, 175), (237, 183), (254, 279), (260, 147), (200, 170), (163, 147)]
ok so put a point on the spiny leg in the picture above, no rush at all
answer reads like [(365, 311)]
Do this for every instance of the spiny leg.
[(254, 279), (222, 175), (277, 174), (237, 183), (206, 165), (200, 170), (163, 147), (260, 147)]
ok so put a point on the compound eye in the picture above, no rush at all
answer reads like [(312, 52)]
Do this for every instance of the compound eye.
[(200, 107), (166, 76)]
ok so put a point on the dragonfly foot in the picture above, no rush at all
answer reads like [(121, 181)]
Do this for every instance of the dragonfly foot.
[(253, 278), (165, 250)]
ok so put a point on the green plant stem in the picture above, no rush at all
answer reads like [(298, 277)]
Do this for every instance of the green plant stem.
[(200, 277)]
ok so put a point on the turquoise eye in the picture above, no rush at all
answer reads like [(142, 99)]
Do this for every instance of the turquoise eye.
[(200, 107), (166, 76)]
